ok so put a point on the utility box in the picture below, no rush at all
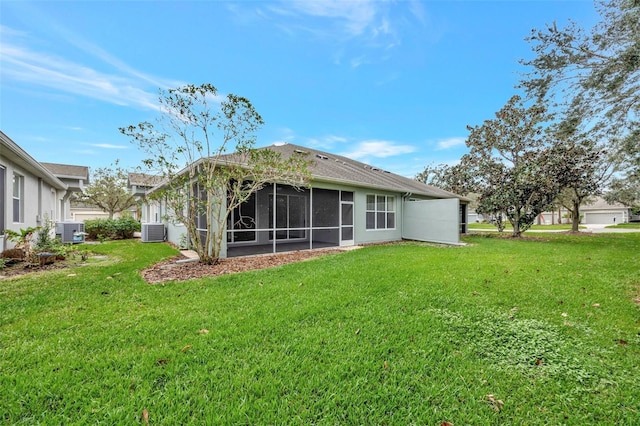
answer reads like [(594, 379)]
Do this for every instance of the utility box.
[(70, 232), (153, 232)]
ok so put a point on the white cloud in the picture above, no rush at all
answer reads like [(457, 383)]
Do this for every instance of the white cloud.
[(124, 87), (356, 16), (357, 30), (378, 149), (451, 143), (109, 146)]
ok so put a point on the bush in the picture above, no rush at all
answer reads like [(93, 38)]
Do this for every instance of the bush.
[(14, 253), (125, 227), (112, 229)]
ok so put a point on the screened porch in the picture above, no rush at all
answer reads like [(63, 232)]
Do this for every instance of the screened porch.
[(281, 218)]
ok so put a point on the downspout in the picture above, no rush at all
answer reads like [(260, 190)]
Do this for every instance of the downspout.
[(405, 196)]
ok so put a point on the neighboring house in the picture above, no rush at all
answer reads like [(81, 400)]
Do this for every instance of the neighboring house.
[(347, 203), (601, 212), (76, 178), (81, 212), (29, 192), (139, 184), (596, 212)]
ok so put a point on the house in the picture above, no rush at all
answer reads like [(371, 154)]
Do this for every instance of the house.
[(29, 192), (599, 211), (347, 203), (594, 212), (139, 184), (76, 178)]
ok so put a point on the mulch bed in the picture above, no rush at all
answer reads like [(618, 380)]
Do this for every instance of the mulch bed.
[(169, 270)]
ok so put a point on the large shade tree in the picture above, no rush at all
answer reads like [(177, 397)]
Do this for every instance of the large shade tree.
[(513, 165), (593, 76), (203, 145), (586, 169)]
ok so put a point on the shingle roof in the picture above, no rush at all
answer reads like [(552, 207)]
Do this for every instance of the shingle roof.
[(326, 167), (338, 169), (68, 171), (14, 152), (601, 204), (144, 179)]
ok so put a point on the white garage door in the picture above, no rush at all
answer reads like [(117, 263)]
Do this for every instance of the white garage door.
[(602, 218)]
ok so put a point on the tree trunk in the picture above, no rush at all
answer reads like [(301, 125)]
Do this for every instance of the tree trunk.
[(516, 224), (575, 217)]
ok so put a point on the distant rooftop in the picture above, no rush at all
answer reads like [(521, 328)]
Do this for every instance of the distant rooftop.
[(144, 179), (68, 171)]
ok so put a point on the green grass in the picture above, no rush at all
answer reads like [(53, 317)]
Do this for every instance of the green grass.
[(398, 334), (632, 225), (557, 227)]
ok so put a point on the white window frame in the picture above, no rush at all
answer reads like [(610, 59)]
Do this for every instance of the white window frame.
[(18, 197), (387, 212)]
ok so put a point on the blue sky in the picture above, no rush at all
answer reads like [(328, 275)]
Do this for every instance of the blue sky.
[(390, 83)]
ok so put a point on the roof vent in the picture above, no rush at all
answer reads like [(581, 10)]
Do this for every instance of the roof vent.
[(299, 151), (322, 157)]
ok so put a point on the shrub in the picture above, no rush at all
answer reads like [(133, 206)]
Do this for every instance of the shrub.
[(98, 227), (45, 240), (125, 227), (112, 229), (14, 253)]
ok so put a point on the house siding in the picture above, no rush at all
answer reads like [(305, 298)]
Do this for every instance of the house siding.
[(40, 200)]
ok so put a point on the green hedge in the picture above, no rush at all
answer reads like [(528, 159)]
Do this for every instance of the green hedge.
[(112, 229)]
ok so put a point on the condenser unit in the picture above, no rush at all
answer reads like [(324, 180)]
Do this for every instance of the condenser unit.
[(153, 232), (70, 232)]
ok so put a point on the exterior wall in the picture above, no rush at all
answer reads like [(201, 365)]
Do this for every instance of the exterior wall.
[(80, 215), (438, 222), (364, 235), (39, 200), (432, 220)]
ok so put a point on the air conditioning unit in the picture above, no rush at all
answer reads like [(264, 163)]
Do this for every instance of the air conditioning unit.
[(153, 232), (70, 232)]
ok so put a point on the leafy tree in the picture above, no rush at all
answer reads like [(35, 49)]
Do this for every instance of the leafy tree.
[(586, 169), (594, 77), (513, 167), (625, 189), (601, 66), (434, 175), (443, 176), (203, 180), (108, 191)]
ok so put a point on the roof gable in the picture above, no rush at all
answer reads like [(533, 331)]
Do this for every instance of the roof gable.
[(68, 171)]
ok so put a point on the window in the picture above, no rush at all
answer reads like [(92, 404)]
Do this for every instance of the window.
[(18, 199), (381, 212)]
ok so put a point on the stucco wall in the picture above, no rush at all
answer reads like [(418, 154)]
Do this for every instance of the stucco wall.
[(40, 200), (432, 220)]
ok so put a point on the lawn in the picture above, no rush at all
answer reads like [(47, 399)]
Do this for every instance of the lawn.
[(501, 331), (508, 227), (631, 225)]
